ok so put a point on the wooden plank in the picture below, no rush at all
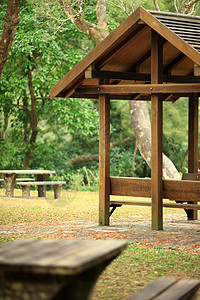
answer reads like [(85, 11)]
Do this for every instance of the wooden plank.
[(60, 257), (170, 36), (174, 63), (152, 290), (104, 159), (129, 186), (97, 54), (41, 183), (156, 133), (183, 289), (140, 89), (148, 203), (138, 76), (141, 187), (175, 16)]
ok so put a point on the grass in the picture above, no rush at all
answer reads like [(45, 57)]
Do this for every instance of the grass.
[(137, 267), (133, 269)]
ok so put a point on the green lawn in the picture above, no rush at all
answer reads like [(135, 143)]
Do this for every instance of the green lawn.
[(137, 265)]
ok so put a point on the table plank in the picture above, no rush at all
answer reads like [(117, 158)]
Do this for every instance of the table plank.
[(58, 256)]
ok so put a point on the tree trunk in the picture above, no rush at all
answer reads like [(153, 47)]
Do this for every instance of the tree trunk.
[(142, 127), (5, 126), (33, 122), (10, 25)]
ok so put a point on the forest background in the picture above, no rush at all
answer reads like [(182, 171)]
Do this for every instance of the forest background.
[(62, 134)]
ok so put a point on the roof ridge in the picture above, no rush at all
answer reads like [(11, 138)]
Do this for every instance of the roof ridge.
[(162, 13)]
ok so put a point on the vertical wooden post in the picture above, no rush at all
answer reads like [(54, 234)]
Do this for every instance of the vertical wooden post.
[(156, 133), (193, 157), (104, 159)]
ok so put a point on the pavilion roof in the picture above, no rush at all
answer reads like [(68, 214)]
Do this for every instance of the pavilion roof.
[(124, 57)]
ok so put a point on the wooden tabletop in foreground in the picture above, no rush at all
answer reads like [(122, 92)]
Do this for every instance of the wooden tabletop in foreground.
[(61, 257)]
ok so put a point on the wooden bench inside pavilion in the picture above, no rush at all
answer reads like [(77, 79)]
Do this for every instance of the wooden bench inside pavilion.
[(151, 56)]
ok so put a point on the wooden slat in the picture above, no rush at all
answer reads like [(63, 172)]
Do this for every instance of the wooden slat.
[(140, 88), (129, 186), (61, 257), (104, 159), (141, 187), (152, 290), (138, 76), (175, 16), (175, 40), (183, 289), (148, 203), (168, 289)]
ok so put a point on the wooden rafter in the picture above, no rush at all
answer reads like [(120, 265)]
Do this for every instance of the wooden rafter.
[(139, 88), (89, 73)]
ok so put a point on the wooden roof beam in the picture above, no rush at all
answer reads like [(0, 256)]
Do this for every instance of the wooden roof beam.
[(90, 73), (174, 63), (139, 89)]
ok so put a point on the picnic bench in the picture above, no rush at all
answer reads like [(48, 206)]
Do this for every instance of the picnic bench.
[(35, 269), (168, 289), (10, 176), (18, 179), (55, 184)]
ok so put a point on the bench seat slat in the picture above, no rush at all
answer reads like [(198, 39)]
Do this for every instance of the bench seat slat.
[(148, 203), (182, 289), (153, 289), (26, 187), (168, 289), (41, 183)]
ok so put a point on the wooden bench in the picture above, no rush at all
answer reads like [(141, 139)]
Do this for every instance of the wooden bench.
[(26, 187), (18, 179), (168, 289), (35, 269)]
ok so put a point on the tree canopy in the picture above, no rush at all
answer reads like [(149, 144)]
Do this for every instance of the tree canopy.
[(62, 134)]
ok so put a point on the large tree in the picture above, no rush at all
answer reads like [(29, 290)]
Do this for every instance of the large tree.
[(31, 68), (9, 29), (97, 31)]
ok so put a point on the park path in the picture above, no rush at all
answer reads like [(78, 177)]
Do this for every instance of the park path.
[(178, 233)]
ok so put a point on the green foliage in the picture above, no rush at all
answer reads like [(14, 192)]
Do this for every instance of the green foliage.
[(37, 47)]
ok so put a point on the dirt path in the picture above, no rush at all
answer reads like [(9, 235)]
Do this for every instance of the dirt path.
[(177, 234)]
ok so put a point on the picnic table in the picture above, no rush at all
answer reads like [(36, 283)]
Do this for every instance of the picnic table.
[(10, 176), (54, 269)]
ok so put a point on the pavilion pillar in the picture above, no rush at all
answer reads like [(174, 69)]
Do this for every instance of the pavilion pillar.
[(193, 157), (104, 159), (156, 133)]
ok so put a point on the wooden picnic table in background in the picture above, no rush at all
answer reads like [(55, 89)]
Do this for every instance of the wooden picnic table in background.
[(56, 269), (10, 176)]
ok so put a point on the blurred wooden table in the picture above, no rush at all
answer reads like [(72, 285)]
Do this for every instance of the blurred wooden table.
[(35, 269), (10, 176)]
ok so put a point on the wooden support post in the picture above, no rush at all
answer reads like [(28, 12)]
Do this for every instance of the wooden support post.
[(156, 133), (193, 157), (104, 159)]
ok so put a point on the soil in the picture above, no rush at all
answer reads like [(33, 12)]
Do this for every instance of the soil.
[(178, 232)]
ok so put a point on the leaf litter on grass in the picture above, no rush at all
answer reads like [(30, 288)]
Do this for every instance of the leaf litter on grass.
[(173, 252)]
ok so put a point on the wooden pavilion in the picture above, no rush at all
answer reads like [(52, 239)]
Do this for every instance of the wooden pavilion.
[(151, 56)]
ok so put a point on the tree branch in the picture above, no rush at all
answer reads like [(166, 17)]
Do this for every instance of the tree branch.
[(189, 5), (156, 5), (96, 32)]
